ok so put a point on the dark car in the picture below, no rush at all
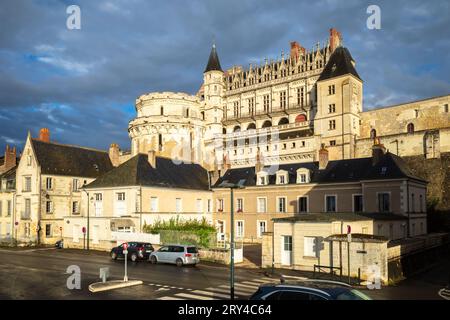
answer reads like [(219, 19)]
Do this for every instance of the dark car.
[(308, 290), (136, 251)]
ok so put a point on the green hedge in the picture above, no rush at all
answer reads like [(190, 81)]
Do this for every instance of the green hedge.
[(177, 231)]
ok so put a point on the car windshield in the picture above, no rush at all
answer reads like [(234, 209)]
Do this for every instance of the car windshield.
[(192, 250), (351, 294)]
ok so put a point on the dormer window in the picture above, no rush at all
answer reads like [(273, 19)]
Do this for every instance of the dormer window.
[(282, 177), (303, 175), (262, 178)]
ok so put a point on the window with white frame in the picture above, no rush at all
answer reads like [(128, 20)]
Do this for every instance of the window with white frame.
[(220, 206), (281, 204), (262, 178), (282, 177), (27, 184), (239, 229), (303, 175), (262, 205), (48, 207), (49, 183), (310, 247), (209, 205), (261, 227), (302, 204), (178, 205), (121, 196), (240, 204), (330, 203), (8, 208), (154, 204), (75, 207)]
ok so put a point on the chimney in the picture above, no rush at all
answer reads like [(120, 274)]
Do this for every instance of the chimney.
[(259, 165), (44, 135), (114, 153), (335, 39), (10, 159), (378, 151), (152, 158), (323, 157), (296, 48)]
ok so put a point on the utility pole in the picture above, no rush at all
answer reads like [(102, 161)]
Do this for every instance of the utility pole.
[(232, 246)]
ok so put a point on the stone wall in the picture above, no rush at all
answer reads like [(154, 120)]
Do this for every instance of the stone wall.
[(267, 245), (437, 173)]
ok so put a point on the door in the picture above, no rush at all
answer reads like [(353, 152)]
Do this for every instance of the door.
[(95, 232), (286, 252), (162, 254), (220, 230), (261, 227)]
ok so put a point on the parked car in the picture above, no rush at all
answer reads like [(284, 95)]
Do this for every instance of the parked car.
[(176, 254), (308, 290), (59, 244), (136, 251)]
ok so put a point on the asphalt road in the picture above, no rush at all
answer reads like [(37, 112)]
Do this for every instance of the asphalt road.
[(41, 274)]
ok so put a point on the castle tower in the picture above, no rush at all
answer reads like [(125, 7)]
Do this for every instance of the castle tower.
[(339, 104), (213, 92)]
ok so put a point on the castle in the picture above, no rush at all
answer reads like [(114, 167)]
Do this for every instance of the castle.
[(282, 112)]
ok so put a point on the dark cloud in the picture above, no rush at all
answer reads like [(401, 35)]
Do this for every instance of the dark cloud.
[(82, 84)]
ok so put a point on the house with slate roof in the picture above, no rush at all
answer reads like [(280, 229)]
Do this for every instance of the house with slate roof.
[(145, 189), (379, 191), (49, 181)]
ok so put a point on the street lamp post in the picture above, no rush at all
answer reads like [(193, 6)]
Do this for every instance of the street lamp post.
[(232, 186), (88, 204), (232, 245)]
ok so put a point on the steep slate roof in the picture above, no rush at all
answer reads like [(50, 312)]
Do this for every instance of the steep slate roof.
[(213, 61), (10, 174), (342, 59), (138, 172), (70, 160), (349, 170), (340, 216)]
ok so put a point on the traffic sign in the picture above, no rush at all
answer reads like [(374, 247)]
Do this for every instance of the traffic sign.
[(83, 229)]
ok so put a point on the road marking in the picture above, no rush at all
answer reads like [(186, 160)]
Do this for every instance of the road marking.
[(239, 290), (444, 293), (169, 298), (212, 294), (193, 296)]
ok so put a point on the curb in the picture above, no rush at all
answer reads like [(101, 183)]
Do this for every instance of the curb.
[(113, 284)]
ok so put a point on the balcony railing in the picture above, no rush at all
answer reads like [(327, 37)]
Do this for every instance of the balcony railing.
[(268, 130), (275, 109)]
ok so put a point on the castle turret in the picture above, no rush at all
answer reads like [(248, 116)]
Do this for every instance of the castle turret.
[(213, 94)]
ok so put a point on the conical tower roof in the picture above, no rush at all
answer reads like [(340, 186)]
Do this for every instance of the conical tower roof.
[(213, 61)]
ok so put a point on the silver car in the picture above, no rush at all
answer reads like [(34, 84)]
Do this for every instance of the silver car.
[(176, 254)]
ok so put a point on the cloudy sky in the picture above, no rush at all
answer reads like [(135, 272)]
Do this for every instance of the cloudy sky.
[(82, 84)]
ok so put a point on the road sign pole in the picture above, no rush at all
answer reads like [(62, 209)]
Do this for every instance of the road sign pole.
[(125, 252)]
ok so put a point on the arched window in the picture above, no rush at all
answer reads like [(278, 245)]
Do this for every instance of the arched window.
[(410, 128), (237, 129), (251, 126), (283, 121), (267, 124), (373, 134), (300, 118)]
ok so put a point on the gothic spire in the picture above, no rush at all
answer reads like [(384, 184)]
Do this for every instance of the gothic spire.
[(213, 61)]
